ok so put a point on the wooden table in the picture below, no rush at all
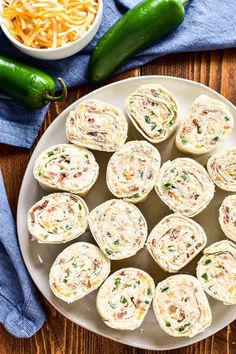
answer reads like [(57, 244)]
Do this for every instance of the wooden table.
[(58, 335)]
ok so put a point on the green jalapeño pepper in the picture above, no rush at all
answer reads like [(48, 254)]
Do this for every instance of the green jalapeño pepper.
[(135, 30), (27, 85)]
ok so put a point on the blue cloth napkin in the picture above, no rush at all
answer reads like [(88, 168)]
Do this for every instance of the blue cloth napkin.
[(20, 311), (209, 24)]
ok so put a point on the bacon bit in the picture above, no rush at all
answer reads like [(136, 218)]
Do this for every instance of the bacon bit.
[(52, 174), (108, 234), (191, 253), (170, 194), (133, 188), (150, 174), (96, 264), (219, 275), (122, 273), (226, 218), (120, 315), (199, 244), (72, 121), (38, 207), (78, 174), (172, 308), (91, 120), (182, 315), (154, 243), (88, 284), (196, 196), (62, 177), (175, 234), (138, 303)]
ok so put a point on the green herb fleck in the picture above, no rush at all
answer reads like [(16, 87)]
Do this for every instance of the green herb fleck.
[(127, 285), (141, 174), (226, 118), (168, 324), (123, 300), (182, 328), (207, 262), (184, 175), (153, 126), (86, 156), (205, 276), (136, 195), (210, 287), (164, 289), (147, 119), (117, 283), (65, 280), (184, 141), (50, 153), (216, 138), (171, 122), (147, 302), (75, 265), (167, 186), (138, 282), (41, 174), (116, 242), (149, 291), (108, 252), (79, 206)]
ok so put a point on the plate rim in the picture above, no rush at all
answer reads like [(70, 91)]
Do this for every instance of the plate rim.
[(20, 197)]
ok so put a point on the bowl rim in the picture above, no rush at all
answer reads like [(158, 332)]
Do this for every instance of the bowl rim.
[(53, 50)]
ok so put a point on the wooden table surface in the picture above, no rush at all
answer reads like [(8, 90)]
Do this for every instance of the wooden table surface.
[(59, 335)]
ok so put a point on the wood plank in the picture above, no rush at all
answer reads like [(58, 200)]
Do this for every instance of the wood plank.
[(59, 335)]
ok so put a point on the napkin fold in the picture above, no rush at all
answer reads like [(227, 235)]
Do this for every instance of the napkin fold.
[(208, 24), (20, 310)]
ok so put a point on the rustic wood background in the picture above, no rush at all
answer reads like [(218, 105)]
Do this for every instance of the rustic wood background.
[(60, 336)]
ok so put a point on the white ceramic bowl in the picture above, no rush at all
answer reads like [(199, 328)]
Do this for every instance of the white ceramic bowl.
[(61, 52)]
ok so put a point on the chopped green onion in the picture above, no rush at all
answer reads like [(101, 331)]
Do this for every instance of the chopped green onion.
[(168, 324), (108, 252), (149, 291), (164, 289), (207, 262), (123, 300), (50, 153), (184, 141), (182, 328), (136, 195), (147, 119), (205, 276)]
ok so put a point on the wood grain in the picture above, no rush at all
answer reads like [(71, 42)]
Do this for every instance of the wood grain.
[(58, 335)]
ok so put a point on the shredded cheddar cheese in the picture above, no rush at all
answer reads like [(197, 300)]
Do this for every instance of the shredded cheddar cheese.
[(48, 23)]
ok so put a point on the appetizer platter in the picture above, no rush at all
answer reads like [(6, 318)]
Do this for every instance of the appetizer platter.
[(130, 184)]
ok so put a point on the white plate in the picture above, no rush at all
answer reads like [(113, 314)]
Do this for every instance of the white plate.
[(39, 257)]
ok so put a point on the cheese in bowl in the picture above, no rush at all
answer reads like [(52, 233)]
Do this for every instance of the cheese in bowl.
[(48, 24)]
